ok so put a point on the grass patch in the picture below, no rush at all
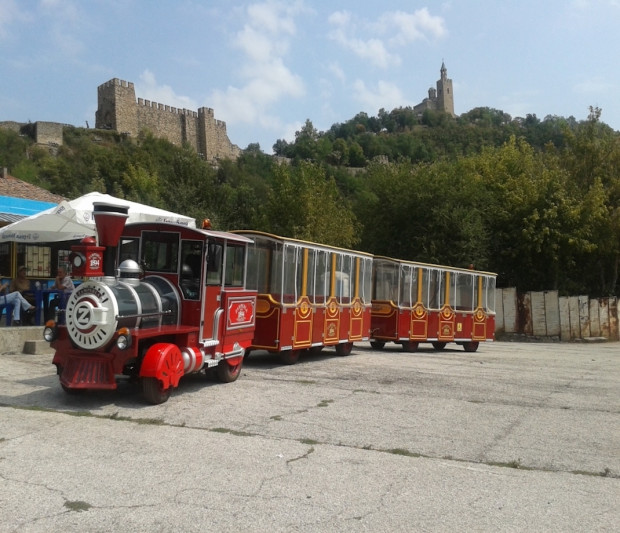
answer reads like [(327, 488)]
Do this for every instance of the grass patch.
[(325, 403), (233, 432), (77, 506), (403, 451)]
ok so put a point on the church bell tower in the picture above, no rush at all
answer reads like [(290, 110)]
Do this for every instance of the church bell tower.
[(445, 95)]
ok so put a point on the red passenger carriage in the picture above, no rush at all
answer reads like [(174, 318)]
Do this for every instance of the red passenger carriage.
[(416, 302), (309, 295)]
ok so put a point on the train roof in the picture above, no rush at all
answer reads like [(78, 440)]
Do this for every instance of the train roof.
[(180, 227), (300, 241), (431, 265)]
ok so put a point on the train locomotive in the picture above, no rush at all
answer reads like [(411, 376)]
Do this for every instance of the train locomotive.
[(162, 300), (176, 305)]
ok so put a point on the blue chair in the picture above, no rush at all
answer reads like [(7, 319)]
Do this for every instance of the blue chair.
[(6, 308)]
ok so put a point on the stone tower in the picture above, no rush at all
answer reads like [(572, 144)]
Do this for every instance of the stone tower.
[(117, 107), (445, 96)]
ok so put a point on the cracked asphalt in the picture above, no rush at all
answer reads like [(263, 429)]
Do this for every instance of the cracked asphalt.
[(515, 437)]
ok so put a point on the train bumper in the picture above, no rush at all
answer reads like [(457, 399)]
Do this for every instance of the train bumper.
[(87, 373)]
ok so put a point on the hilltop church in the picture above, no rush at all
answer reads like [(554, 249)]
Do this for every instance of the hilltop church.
[(440, 98)]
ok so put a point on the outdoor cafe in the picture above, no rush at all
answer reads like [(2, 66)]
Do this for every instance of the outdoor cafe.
[(41, 261), (42, 243)]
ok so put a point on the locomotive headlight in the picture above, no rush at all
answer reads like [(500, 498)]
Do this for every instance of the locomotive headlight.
[(50, 333), (123, 340)]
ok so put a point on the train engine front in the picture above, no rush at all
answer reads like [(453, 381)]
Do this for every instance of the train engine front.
[(147, 325)]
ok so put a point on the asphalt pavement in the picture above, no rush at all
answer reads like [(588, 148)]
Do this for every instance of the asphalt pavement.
[(514, 437)]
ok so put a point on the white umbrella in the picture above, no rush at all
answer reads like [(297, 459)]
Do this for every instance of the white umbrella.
[(73, 219)]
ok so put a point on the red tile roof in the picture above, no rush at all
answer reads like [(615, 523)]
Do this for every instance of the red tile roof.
[(16, 188)]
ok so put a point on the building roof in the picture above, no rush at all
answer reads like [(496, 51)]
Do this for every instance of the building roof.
[(16, 188), (20, 199)]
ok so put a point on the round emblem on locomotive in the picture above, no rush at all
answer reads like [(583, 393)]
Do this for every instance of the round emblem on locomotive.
[(90, 315)]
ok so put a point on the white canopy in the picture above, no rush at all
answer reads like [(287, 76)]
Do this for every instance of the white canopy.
[(73, 219)]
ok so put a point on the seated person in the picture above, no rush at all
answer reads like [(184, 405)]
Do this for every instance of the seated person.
[(21, 284), (62, 282), (17, 301)]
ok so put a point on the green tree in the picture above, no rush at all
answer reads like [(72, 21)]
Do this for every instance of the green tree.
[(304, 204)]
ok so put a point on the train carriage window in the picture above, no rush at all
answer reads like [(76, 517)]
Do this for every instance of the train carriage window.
[(276, 273), (292, 271), (322, 277), (215, 255), (464, 294), (311, 283), (408, 285), (235, 265), (488, 293), (259, 263), (433, 288), (386, 280), (160, 251), (344, 270), (365, 279)]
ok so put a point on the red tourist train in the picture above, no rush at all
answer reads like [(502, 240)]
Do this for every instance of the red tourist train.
[(162, 300)]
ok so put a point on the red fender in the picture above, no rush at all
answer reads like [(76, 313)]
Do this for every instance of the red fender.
[(164, 362), (234, 361)]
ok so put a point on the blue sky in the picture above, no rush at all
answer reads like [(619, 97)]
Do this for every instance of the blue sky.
[(267, 66)]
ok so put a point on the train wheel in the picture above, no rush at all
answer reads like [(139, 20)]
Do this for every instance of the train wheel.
[(409, 346), (470, 346), (344, 348), (439, 346), (377, 345), (289, 357), (228, 373), (153, 390)]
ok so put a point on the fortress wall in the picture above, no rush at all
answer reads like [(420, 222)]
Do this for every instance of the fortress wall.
[(11, 125), (162, 120), (118, 110), (190, 131), (48, 132)]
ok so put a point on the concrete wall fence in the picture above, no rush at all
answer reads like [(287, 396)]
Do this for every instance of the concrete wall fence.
[(546, 314)]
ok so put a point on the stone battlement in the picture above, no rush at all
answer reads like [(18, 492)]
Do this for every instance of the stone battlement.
[(115, 82)]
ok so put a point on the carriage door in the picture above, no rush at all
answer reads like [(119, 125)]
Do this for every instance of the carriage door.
[(213, 289)]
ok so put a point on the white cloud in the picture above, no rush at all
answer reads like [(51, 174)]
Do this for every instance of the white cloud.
[(373, 49), (10, 14), (595, 85), (337, 72), (266, 79), (149, 89), (392, 30), (409, 27), (385, 95)]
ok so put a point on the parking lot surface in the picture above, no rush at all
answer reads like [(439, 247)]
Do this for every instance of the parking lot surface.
[(514, 437)]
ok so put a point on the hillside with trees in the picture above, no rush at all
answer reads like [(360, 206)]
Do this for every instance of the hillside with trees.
[(537, 201)]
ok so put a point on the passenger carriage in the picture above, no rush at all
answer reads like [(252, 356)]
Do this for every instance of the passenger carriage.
[(416, 302), (309, 295)]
